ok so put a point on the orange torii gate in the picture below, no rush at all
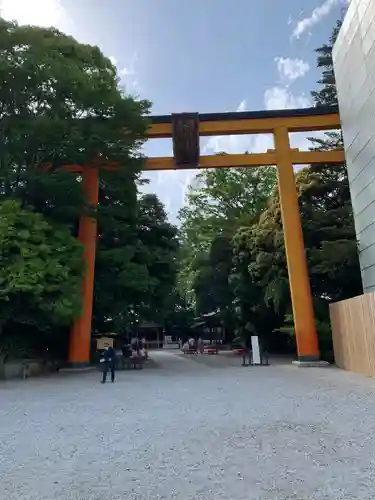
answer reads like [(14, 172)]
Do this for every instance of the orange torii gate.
[(185, 129)]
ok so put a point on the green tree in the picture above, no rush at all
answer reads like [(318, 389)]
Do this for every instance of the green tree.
[(60, 104), (259, 277), (218, 202), (180, 315), (219, 198), (40, 273), (326, 95), (211, 283), (326, 204), (136, 265), (327, 223)]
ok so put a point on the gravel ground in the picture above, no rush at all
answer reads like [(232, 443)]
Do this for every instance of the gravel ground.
[(189, 428)]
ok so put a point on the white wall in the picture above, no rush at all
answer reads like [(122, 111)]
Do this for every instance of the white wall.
[(354, 63)]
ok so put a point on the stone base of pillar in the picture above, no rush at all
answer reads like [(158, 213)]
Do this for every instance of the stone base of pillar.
[(310, 363)]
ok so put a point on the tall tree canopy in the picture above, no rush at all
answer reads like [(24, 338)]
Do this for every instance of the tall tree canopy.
[(60, 105), (233, 234), (218, 202), (40, 273), (328, 228), (220, 199), (136, 267)]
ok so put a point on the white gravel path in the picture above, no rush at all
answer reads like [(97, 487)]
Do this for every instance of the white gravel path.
[(189, 429)]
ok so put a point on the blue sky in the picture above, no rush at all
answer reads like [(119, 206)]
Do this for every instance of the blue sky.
[(199, 55)]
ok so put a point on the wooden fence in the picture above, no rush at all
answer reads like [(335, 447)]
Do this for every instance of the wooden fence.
[(353, 331)]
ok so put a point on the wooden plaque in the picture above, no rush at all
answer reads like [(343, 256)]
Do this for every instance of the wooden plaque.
[(104, 342), (185, 136)]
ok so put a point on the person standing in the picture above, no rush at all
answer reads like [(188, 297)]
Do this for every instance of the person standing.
[(200, 345), (191, 342), (135, 344), (108, 361)]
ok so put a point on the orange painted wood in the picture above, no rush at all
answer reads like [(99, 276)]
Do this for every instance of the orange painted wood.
[(80, 336), (303, 311), (254, 125)]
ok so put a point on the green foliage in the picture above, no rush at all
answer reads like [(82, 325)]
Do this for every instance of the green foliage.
[(259, 278), (40, 272), (233, 232), (136, 265), (211, 284), (323, 328), (218, 199), (328, 229), (218, 202), (180, 315), (60, 104), (327, 94)]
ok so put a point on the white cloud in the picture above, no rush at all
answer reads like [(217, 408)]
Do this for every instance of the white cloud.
[(283, 98), (171, 187), (315, 17), (230, 144), (130, 70), (127, 74), (44, 13), (182, 180), (277, 97), (291, 69), (242, 106)]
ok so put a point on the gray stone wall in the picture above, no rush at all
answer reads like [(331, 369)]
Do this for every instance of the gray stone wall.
[(354, 63)]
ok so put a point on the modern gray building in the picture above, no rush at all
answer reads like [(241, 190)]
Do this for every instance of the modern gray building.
[(354, 64)]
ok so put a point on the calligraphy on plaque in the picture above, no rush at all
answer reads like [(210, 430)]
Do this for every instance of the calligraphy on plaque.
[(185, 137)]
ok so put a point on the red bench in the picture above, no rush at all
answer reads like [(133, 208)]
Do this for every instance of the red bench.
[(211, 350), (240, 352)]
